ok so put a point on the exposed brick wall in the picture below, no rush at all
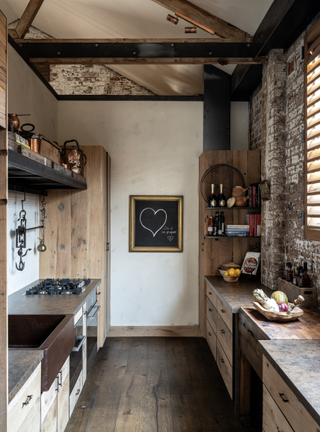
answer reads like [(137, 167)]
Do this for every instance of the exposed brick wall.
[(279, 105), (92, 79)]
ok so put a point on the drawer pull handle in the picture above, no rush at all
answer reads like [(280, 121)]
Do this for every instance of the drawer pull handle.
[(209, 334), (222, 361), (78, 392), (210, 310), (250, 332), (283, 397), (223, 311), (29, 397), (210, 293), (222, 331)]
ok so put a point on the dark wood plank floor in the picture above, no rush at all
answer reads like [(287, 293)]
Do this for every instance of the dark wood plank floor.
[(154, 385)]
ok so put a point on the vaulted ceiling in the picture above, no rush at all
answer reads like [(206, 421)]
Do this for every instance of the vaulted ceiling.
[(100, 19)]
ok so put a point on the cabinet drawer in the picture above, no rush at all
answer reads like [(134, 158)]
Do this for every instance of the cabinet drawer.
[(287, 401), (24, 409), (224, 336), (212, 340), (74, 396), (225, 314), (212, 295), (225, 368), (211, 315), (273, 419), (249, 345)]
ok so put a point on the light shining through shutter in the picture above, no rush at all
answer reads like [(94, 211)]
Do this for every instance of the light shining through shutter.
[(313, 143)]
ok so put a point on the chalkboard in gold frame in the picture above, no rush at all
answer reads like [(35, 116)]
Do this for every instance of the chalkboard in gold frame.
[(155, 223)]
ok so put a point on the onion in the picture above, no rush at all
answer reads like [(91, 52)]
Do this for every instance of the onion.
[(283, 307)]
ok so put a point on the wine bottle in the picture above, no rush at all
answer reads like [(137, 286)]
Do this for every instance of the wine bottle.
[(216, 224), (210, 226), (222, 224), (219, 226), (212, 198), (221, 198)]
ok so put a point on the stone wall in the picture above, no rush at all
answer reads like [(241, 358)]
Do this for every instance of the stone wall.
[(276, 128)]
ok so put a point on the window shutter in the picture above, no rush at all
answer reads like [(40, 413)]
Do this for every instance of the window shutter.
[(312, 133)]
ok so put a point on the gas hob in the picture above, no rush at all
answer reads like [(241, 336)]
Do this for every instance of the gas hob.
[(59, 287)]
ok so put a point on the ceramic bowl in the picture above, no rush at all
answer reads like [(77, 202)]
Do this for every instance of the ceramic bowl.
[(222, 272), (230, 278)]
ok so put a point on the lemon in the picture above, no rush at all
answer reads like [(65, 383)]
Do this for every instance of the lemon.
[(226, 273), (238, 272), (232, 272)]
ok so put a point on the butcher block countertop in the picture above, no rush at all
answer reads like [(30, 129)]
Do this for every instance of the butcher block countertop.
[(298, 364), (23, 362), (236, 294), (306, 327)]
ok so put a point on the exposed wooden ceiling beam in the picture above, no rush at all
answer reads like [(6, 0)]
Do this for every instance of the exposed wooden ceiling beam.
[(27, 18), (203, 17), (153, 60)]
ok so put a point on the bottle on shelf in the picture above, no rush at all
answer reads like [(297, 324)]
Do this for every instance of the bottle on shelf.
[(221, 198), (213, 202), (300, 273), (216, 224), (305, 276), (210, 226), (295, 276), (219, 226), (289, 272), (222, 224)]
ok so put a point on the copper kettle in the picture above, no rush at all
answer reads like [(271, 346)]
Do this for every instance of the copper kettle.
[(14, 122), (73, 158)]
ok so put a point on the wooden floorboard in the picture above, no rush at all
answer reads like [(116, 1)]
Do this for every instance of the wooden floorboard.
[(154, 384)]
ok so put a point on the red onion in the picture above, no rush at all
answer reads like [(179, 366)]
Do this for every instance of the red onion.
[(283, 307)]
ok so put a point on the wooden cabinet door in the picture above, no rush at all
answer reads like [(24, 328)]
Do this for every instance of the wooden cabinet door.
[(63, 396), (49, 408), (24, 409)]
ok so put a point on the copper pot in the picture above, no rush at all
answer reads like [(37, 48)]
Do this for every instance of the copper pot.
[(14, 122), (35, 142), (241, 201), (238, 192), (73, 158)]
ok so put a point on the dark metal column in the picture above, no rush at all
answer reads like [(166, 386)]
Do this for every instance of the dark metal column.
[(216, 126)]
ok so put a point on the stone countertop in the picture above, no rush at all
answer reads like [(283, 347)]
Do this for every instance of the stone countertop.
[(298, 363), (22, 363), (21, 304), (237, 294)]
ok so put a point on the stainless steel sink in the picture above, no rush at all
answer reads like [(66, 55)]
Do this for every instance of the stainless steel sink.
[(52, 334)]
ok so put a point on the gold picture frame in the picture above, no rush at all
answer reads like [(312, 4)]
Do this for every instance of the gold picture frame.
[(155, 223)]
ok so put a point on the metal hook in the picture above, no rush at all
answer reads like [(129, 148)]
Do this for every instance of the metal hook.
[(22, 264)]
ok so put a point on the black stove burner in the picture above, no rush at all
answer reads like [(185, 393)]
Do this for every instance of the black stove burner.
[(59, 287)]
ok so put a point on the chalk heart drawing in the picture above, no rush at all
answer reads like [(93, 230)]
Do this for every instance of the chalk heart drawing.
[(154, 213), (170, 238)]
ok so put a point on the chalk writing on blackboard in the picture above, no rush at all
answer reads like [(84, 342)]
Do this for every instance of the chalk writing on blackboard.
[(170, 232), (165, 217)]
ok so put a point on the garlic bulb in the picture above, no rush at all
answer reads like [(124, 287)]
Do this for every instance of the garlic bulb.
[(265, 301)]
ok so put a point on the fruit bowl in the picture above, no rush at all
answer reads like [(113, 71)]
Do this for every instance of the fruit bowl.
[(230, 278)]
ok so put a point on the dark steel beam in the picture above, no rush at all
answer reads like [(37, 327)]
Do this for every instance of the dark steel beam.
[(282, 25), (139, 50), (197, 98)]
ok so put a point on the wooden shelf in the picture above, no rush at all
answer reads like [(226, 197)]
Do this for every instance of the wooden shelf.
[(234, 208), (33, 177), (227, 237)]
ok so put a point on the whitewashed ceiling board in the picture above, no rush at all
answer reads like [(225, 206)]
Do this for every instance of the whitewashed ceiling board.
[(139, 19)]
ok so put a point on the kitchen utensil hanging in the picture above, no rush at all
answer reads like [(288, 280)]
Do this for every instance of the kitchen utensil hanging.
[(21, 233), (73, 158)]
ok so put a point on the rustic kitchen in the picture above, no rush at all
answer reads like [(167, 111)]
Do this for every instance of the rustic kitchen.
[(159, 215)]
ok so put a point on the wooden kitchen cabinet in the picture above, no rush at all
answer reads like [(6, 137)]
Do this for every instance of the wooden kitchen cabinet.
[(219, 321), (55, 402), (24, 409), (288, 413)]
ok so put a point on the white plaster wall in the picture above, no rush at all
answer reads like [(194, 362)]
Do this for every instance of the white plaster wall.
[(27, 95), (239, 126), (18, 279), (155, 149)]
